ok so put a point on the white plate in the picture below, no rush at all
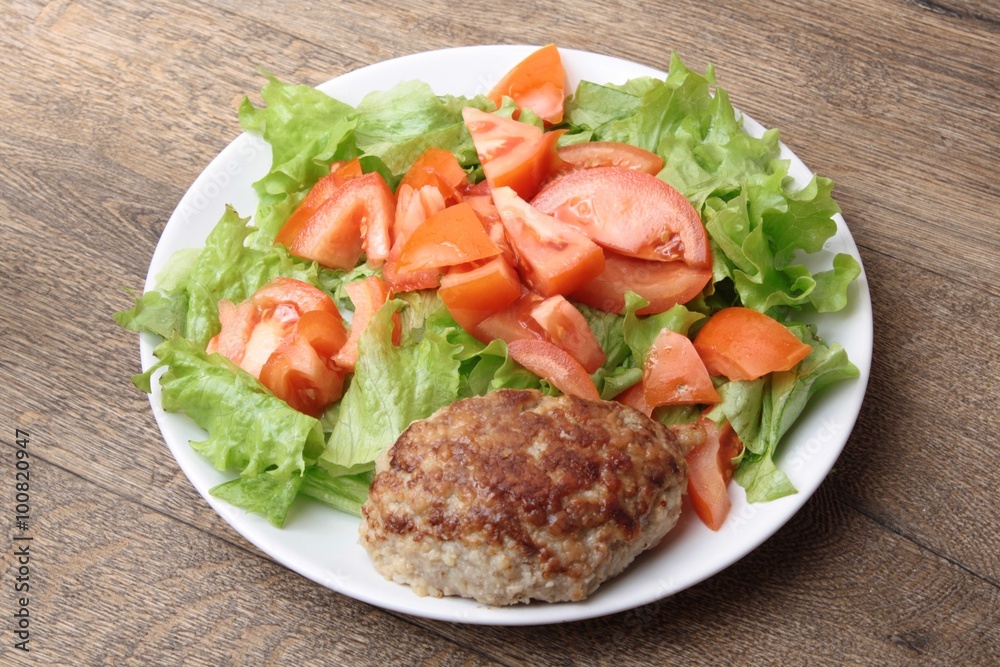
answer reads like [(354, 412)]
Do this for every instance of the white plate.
[(321, 543)]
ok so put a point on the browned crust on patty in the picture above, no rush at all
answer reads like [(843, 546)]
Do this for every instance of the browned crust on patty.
[(557, 484)]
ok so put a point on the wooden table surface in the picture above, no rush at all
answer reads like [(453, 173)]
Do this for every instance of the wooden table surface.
[(110, 109)]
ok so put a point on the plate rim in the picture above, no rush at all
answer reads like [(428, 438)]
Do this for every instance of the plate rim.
[(256, 530)]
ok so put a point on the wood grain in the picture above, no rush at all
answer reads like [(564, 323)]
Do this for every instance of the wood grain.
[(137, 587), (833, 584), (111, 109)]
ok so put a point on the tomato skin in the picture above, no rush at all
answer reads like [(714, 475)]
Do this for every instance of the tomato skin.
[(297, 374), (472, 295), (324, 188), (743, 344), (554, 320), (629, 211), (552, 258), (513, 154), (555, 365), (591, 154), (663, 284), (440, 168), (635, 398), (673, 373), (447, 238), (238, 323), (730, 446), (286, 335), (324, 331), (538, 83), (412, 208), (356, 218), (303, 296), (709, 470), (368, 296), (567, 328)]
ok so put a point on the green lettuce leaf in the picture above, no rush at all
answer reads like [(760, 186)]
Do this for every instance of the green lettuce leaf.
[(346, 492), (593, 106), (782, 397), (641, 112), (399, 124), (392, 387), (186, 302), (620, 369), (249, 429), (745, 253), (307, 130), (640, 332), (162, 314), (264, 494), (742, 403), (272, 497)]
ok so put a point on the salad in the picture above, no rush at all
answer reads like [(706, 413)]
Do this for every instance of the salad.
[(434, 323)]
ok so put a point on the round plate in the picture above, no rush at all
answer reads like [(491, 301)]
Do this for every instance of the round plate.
[(321, 543)]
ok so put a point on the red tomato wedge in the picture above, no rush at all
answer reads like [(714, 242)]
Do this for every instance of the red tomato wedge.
[(710, 468), (513, 322), (663, 284), (554, 320), (555, 365), (320, 192), (488, 214), (474, 294), (254, 329), (356, 218), (730, 446), (299, 375), (289, 291), (480, 189), (513, 154), (566, 327), (437, 167), (552, 258), (538, 83), (238, 323), (412, 208), (629, 211), (590, 154), (635, 397), (743, 344), (324, 331), (449, 237), (368, 296), (673, 373), (286, 335)]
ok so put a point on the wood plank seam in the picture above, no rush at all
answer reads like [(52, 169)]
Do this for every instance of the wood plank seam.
[(900, 534)]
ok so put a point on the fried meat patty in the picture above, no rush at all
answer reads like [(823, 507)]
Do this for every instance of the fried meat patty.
[(517, 496)]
